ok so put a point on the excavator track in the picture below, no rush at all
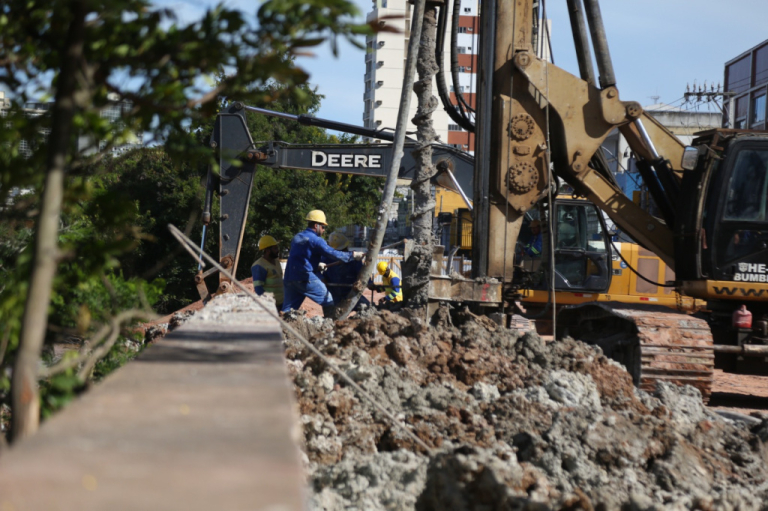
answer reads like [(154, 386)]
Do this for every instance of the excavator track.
[(655, 344)]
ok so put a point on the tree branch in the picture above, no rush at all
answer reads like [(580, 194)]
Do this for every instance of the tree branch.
[(112, 329)]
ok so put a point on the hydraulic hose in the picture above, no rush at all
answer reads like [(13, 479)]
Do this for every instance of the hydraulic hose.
[(455, 58), (458, 116)]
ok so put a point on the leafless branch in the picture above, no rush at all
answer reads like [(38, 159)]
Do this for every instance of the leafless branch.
[(96, 347)]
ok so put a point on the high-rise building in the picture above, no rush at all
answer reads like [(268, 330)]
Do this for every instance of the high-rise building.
[(113, 112), (385, 66), (384, 70), (746, 79), (386, 58)]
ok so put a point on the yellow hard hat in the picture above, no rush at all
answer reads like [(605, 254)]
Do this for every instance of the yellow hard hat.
[(316, 216), (266, 242), (338, 241), (381, 267)]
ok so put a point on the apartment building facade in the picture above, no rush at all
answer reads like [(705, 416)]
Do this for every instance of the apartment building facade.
[(746, 79), (385, 67)]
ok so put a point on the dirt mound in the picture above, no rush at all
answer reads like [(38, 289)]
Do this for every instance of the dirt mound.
[(514, 423)]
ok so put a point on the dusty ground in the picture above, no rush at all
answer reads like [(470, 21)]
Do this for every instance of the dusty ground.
[(731, 392), (311, 308), (512, 424)]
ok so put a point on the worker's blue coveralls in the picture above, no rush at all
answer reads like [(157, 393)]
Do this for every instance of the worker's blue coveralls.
[(344, 274), (300, 279), (533, 248)]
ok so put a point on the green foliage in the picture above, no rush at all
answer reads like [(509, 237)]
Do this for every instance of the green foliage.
[(113, 212), (59, 390), (158, 191)]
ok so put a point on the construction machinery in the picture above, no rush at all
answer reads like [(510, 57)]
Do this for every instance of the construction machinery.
[(585, 267), (239, 155), (537, 124)]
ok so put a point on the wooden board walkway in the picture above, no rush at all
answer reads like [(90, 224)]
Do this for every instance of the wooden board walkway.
[(204, 419)]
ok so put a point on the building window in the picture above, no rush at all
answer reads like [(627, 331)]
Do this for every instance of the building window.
[(462, 49), (758, 109), (467, 9), (741, 113), (454, 127)]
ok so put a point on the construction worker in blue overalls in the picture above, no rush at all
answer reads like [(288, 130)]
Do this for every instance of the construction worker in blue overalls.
[(533, 247), (301, 271)]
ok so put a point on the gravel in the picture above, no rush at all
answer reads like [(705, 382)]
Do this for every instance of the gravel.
[(512, 422)]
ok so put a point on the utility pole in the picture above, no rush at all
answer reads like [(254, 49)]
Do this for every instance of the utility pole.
[(700, 94)]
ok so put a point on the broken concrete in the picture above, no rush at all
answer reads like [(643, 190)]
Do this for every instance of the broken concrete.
[(514, 423)]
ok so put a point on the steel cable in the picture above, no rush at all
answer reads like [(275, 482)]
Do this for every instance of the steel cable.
[(191, 247)]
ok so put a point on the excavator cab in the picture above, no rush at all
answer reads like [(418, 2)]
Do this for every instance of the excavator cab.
[(581, 247), (582, 253), (722, 241), (738, 216)]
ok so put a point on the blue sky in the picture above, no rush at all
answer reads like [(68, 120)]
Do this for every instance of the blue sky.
[(657, 47)]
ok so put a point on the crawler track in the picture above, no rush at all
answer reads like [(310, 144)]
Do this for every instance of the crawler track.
[(653, 343)]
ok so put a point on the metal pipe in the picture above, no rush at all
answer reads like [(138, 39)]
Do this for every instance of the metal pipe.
[(647, 139), (208, 197), (746, 350), (483, 137), (600, 43), (580, 41), (458, 189), (309, 120), (271, 113), (202, 246)]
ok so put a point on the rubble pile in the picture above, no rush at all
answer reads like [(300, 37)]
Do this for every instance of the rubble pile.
[(513, 423)]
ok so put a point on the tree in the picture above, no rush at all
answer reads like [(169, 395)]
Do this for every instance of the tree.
[(93, 48)]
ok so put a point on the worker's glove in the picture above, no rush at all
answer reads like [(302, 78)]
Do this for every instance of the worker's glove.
[(322, 266), (358, 256)]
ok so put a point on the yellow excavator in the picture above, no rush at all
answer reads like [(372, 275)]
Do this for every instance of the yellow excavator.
[(631, 275), (537, 124)]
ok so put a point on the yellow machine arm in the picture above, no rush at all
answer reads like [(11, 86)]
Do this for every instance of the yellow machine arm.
[(543, 116)]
